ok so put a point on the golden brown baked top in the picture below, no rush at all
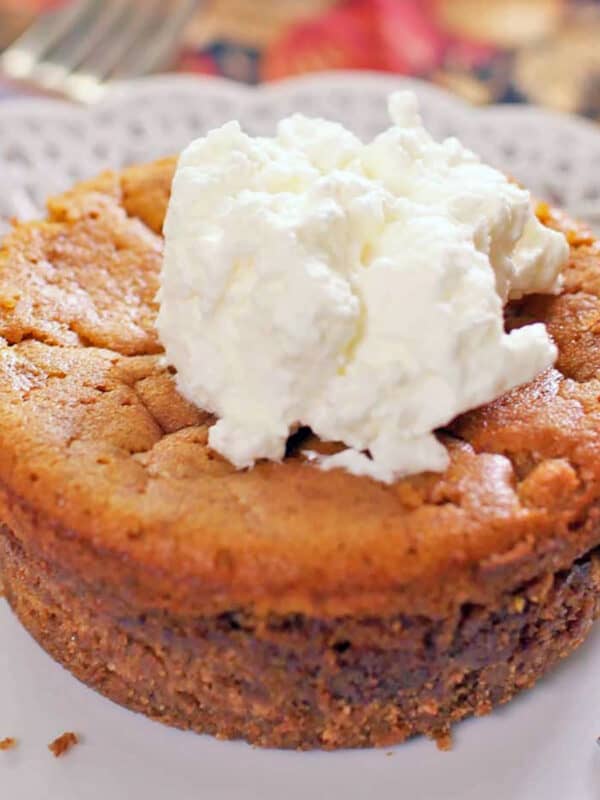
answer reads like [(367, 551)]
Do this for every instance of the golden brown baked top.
[(105, 469)]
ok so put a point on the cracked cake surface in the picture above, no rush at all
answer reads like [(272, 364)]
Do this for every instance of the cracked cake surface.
[(107, 483)]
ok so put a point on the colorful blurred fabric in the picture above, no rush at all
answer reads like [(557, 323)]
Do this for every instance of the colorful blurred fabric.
[(541, 51)]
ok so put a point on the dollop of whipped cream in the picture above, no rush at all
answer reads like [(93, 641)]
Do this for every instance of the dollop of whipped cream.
[(311, 279)]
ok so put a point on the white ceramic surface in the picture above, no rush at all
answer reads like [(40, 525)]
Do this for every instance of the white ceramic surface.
[(45, 144), (542, 746)]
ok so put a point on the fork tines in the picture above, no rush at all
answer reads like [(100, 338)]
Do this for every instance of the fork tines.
[(76, 48)]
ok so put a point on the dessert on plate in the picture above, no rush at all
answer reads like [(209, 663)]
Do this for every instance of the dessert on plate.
[(321, 471)]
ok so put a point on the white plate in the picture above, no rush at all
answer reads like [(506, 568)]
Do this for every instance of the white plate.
[(45, 145), (541, 746)]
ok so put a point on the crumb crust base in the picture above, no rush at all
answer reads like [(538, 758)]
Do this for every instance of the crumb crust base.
[(295, 681)]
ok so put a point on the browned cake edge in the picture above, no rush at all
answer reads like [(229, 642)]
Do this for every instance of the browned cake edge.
[(301, 682)]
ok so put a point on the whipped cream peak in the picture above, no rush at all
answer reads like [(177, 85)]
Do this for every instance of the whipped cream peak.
[(358, 289)]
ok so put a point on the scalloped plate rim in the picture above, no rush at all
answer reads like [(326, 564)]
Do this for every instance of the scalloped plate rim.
[(339, 79)]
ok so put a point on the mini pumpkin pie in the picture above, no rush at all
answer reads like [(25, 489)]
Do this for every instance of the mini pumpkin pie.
[(284, 605)]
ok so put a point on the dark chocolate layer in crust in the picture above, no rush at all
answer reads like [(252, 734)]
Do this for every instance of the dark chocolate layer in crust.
[(297, 681)]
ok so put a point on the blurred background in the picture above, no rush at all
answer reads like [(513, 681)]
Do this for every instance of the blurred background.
[(540, 51)]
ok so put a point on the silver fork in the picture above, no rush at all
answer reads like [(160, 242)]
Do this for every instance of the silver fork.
[(76, 49)]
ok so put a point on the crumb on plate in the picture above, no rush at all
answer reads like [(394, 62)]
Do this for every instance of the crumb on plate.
[(63, 743), (443, 740), (8, 743)]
